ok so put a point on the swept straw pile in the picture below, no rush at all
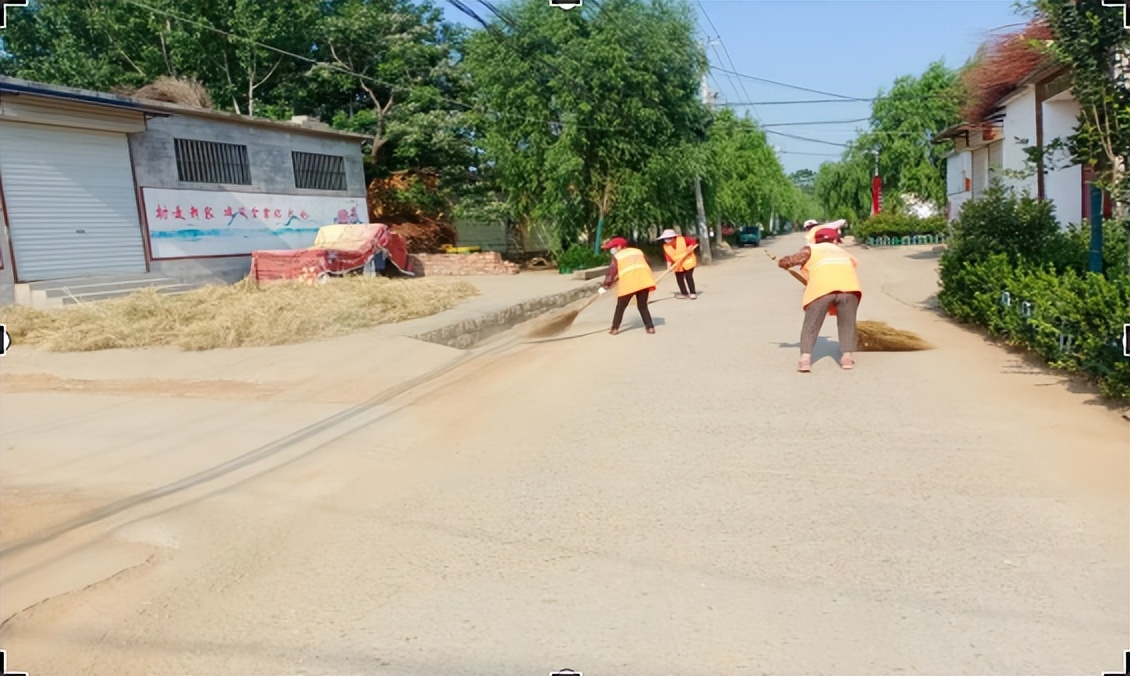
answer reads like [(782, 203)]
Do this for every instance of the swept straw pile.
[(881, 337), (234, 316)]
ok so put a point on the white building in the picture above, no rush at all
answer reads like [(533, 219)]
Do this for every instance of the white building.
[(1038, 110)]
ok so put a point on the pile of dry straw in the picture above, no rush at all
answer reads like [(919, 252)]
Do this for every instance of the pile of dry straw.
[(241, 315)]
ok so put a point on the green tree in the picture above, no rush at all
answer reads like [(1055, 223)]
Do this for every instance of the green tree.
[(844, 188), (389, 70), (745, 180), (899, 140), (585, 107), (111, 44)]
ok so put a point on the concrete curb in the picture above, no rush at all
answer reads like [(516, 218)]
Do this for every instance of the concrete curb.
[(471, 332), (589, 273)]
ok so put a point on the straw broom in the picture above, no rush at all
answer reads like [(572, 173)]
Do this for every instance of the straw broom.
[(875, 336), (559, 324)]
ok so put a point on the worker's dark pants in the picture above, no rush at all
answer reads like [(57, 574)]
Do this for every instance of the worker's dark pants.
[(847, 304), (641, 303), (685, 280)]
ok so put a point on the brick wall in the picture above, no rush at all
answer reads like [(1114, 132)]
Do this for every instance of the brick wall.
[(486, 263)]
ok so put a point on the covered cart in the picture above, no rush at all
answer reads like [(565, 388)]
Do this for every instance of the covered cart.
[(367, 248)]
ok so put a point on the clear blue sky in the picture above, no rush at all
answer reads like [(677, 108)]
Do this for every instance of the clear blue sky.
[(848, 47)]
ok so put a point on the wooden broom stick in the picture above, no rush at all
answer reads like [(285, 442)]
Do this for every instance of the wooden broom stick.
[(799, 277)]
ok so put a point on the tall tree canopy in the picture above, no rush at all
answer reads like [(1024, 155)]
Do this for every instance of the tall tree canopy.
[(586, 104), (381, 67), (903, 122)]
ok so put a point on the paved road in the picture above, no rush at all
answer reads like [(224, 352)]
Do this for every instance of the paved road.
[(683, 502)]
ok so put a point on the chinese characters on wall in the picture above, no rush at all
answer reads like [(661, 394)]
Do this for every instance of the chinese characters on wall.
[(197, 223)]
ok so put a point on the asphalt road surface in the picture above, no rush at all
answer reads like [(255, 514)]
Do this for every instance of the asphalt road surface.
[(683, 502)]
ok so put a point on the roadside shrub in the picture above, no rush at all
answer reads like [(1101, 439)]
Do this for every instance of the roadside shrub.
[(581, 258), (1010, 269), (1072, 320), (1000, 222), (898, 225), (1071, 250)]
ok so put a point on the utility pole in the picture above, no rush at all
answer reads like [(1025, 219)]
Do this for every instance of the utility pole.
[(703, 232)]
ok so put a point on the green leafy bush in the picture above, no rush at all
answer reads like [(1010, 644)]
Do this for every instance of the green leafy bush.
[(1072, 320), (1011, 269), (581, 258), (898, 225), (1001, 222), (1071, 248)]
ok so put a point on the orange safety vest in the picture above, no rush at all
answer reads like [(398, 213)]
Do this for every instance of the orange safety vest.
[(632, 272), (829, 269), (678, 250)]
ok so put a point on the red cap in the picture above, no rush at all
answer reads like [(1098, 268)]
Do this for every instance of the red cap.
[(615, 242), (828, 235)]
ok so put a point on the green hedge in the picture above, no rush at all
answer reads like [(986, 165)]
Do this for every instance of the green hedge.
[(898, 225), (1010, 268), (1073, 320), (581, 258)]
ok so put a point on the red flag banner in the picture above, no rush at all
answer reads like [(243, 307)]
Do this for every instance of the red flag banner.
[(876, 195)]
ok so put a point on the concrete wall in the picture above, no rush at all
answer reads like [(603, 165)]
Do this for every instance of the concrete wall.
[(272, 172), (268, 151), (956, 202), (489, 236), (959, 166), (980, 165), (227, 270), (1019, 133), (1063, 186)]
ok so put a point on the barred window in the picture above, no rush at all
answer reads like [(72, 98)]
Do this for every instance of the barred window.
[(211, 162), (314, 171)]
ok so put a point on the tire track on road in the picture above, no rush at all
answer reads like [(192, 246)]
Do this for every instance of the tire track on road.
[(257, 455)]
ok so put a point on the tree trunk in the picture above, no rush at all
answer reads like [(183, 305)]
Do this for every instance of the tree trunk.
[(703, 233), (718, 233)]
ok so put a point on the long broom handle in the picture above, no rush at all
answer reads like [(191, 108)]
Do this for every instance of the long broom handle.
[(799, 277)]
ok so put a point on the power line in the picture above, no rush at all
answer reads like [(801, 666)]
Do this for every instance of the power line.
[(790, 103), (726, 51), (793, 152), (790, 86), (805, 138), (801, 124)]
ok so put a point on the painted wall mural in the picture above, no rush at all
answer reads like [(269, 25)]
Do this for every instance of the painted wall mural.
[(187, 223)]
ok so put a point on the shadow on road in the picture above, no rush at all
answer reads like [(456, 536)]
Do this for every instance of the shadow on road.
[(824, 348), (933, 254)]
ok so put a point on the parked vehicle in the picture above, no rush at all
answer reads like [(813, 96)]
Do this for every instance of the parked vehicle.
[(749, 235)]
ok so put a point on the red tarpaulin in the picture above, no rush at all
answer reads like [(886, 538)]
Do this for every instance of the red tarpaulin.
[(337, 249)]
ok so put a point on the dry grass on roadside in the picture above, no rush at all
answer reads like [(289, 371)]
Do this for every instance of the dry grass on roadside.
[(234, 316)]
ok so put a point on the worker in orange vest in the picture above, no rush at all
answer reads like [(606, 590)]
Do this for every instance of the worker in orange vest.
[(631, 272), (675, 247), (833, 287)]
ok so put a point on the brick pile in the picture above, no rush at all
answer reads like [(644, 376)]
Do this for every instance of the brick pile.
[(486, 263)]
